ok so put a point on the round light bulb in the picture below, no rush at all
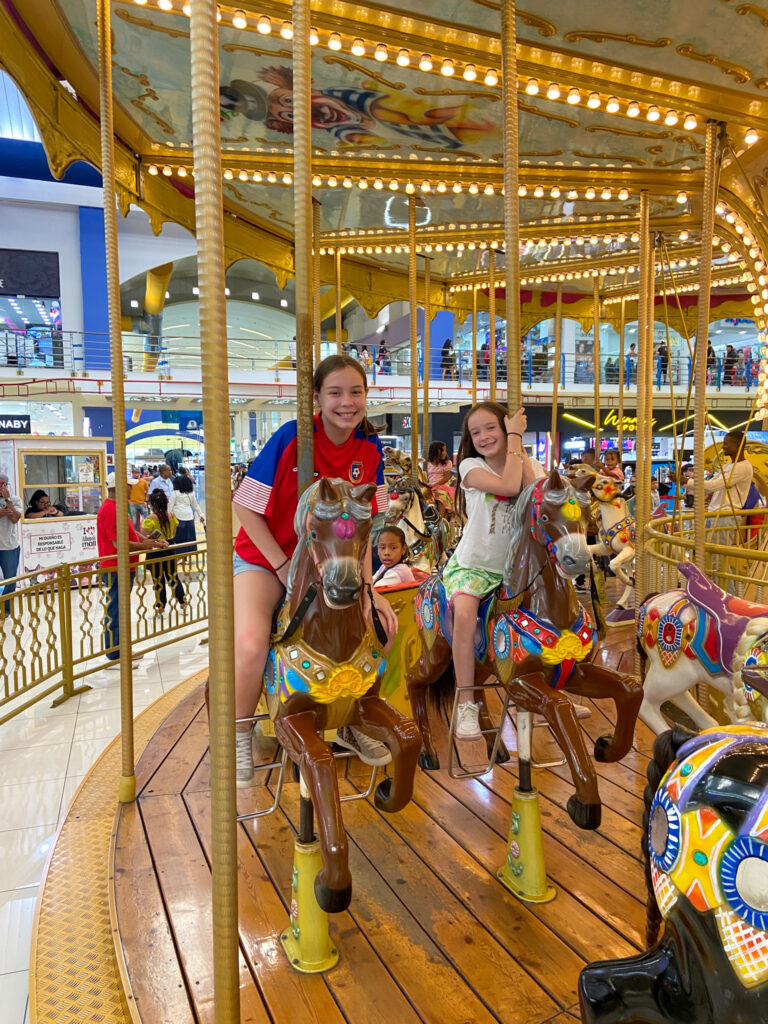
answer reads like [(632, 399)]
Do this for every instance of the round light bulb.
[(589, 192), (286, 30), (532, 87), (378, 184), (457, 187), (554, 192), (623, 194), (605, 194), (410, 188), (473, 188), (358, 47), (491, 77), (553, 91), (682, 197), (593, 101), (426, 186), (469, 73), (574, 96), (612, 105), (441, 186), (425, 62), (653, 113), (334, 41), (447, 68), (314, 37), (633, 109), (239, 19), (522, 191), (381, 53), (362, 184), (489, 190), (403, 58), (750, 137), (152, 169), (572, 194), (394, 185), (347, 182), (264, 24), (333, 181), (671, 118), (538, 192), (690, 122)]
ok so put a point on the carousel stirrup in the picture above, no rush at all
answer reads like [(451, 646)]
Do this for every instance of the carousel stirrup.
[(279, 765), (456, 768), (306, 940), (523, 872)]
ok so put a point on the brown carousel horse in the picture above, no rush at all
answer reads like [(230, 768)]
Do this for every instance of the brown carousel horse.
[(535, 637), (324, 668)]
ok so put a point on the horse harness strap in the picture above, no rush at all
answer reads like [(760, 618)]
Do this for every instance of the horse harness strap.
[(626, 525), (416, 530), (378, 626), (309, 596)]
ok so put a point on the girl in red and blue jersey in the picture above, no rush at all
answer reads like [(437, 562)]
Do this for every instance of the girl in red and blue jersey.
[(345, 446)]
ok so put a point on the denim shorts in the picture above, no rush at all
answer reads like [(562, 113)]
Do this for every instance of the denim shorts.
[(240, 565)]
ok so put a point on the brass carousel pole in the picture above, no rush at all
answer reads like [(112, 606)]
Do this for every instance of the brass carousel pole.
[(622, 329), (206, 143), (642, 497), (425, 360), (555, 375), (127, 789), (524, 875), (337, 260), (596, 358), (492, 324), (316, 278), (413, 299), (474, 344)]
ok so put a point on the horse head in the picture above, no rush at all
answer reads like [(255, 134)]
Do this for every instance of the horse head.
[(400, 492), (558, 513), (337, 526), (605, 488)]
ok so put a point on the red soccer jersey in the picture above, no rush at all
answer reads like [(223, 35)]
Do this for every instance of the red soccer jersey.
[(271, 488), (106, 535)]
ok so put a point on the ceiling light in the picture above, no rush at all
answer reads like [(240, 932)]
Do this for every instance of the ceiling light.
[(553, 91), (286, 30), (239, 19), (381, 52), (264, 24), (403, 58), (378, 184), (394, 185), (152, 169), (473, 188), (671, 118), (181, 171), (612, 105), (410, 188), (532, 87), (653, 113), (751, 136), (425, 62), (623, 194), (457, 187), (186, 8), (470, 73), (574, 96), (605, 194), (589, 192), (334, 41), (491, 77), (347, 182), (522, 191), (314, 38), (165, 5), (441, 186), (426, 186), (689, 123), (538, 192), (633, 109), (489, 189), (195, 290), (227, 291), (682, 197), (358, 47), (572, 194), (255, 296), (683, 236), (362, 183), (167, 171), (554, 192), (593, 101), (447, 68), (332, 181), (134, 304)]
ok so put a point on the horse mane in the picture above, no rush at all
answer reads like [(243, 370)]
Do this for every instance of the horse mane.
[(359, 510), (521, 517)]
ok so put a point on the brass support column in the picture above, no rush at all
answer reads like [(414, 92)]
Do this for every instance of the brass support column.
[(127, 791), (413, 299), (596, 360), (425, 360), (302, 219), (642, 497), (316, 278), (622, 329), (511, 200), (337, 259), (492, 324), (475, 353), (555, 376), (206, 142), (702, 338)]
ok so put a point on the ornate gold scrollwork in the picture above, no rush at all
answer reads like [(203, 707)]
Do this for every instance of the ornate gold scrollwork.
[(139, 103), (740, 74), (475, 94), (611, 156), (365, 72), (616, 37), (530, 109), (174, 33), (545, 28), (638, 133), (671, 163), (141, 78), (761, 83), (696, 146), (536, 152), (759, 12), (257, 51)]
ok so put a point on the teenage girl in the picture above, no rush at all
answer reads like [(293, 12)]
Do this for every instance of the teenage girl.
[(346, 446), (493, 468), (392, 550)]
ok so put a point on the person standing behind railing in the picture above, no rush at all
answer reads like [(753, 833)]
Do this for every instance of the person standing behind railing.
[(164, 481), (106, 542), (162, 523), (10, 549), (184, 507), (137, 500)]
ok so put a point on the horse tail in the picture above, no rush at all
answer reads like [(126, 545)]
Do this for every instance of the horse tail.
[(665, 750), (440, 694)]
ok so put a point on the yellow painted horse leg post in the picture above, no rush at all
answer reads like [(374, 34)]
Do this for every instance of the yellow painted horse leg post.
[(523, 872)]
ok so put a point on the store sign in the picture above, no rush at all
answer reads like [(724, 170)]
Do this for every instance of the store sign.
[(16, 424), (46, 545), (628, 423), (23, 272)]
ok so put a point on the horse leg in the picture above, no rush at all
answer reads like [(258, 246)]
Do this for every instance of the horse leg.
[(617, 567), (401, 735), (595, 681), (533, 693), (428, 669), (298, 734), (691, 707)]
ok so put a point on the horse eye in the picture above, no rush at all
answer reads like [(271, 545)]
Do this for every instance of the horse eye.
[(544, 518), (313, 534)]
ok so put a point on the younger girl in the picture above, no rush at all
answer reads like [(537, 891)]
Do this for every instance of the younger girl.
[(612, 466), (439, 468), (346, 446), (493, 468), (159, 523), (392, 550)]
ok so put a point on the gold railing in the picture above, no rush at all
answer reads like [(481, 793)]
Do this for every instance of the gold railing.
[(736, 552), (52, 628)]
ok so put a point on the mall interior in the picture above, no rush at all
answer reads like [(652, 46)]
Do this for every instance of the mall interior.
[(620, 152)]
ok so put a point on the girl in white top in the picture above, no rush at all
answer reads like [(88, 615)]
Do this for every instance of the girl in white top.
[(183, 504), (493, 467)]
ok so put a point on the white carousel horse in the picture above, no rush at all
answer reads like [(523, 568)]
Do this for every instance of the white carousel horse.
[(701, 634), (424, 529), (616, 532)]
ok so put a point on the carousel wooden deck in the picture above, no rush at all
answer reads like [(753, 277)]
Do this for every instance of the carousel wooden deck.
[(431, 935)]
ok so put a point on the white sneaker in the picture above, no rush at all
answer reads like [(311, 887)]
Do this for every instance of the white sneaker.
[(467, 724), (367, 749), (244, 758)]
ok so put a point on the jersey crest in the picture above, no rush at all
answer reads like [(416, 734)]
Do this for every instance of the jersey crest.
[(356, 472)]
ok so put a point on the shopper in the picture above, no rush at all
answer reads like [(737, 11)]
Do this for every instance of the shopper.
[(164, 480), (10, 548), (137, 498), (728, 489), (161, 523), (183, 505)]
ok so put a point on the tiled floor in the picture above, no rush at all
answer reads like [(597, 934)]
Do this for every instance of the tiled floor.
[(44, 754)]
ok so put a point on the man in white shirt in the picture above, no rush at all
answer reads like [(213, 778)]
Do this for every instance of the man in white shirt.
[(729, 488), (10, 548), (164, 481)]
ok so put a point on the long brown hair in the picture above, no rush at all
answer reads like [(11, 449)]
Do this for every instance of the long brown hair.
[(328, 366), (158, 503), (467, 448)]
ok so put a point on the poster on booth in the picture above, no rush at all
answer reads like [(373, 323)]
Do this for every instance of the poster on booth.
[(46, 545)]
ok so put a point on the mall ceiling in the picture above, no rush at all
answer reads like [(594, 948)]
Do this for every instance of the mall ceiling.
[(611, 101)]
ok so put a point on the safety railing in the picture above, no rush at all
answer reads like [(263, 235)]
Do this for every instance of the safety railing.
[(59, 627)]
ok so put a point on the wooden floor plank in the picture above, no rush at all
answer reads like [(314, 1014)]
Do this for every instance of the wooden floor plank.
[(166, 736), (185, 882), (174, 773)]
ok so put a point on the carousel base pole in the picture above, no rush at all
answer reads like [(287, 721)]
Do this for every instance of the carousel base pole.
[(307, 941), (523, 872)]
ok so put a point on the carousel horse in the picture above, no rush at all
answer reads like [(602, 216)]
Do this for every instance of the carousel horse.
[(700, 634), (425, 531), (616, 532), (324, 670), (535, 638), (706, 860)]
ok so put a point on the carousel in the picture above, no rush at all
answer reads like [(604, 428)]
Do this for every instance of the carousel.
[(584, 162)]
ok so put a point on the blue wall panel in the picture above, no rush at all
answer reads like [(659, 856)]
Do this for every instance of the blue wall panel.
[(93, 273)]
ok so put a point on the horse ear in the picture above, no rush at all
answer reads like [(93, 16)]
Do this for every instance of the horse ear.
[(555, 481), (327, 492), (363, 492), (584, 483)]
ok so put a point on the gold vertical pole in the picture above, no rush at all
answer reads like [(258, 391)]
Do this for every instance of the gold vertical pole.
[(413, 299), (555, 375), (302, 219), (127, 789), (316, 278), (492, 323), (644, 478), (642, 498), (425, 349), (475, 353), (596, 358), (702, 338), (511, 200), (622, 329), (337, 258), (206, 142)]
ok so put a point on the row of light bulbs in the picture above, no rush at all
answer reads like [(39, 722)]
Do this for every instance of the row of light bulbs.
[(575, 275), (689, 286), (449, 67)]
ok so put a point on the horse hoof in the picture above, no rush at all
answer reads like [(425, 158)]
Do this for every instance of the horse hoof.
[(602, 749), (332, 901), (429, 762), (502, 754), (381, 795), (586, 816)]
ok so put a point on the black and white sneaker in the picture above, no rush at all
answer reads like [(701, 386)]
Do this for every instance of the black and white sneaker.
[(367, 749)]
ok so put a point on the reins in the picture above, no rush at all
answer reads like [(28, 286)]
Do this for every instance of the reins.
[(306, 602)]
